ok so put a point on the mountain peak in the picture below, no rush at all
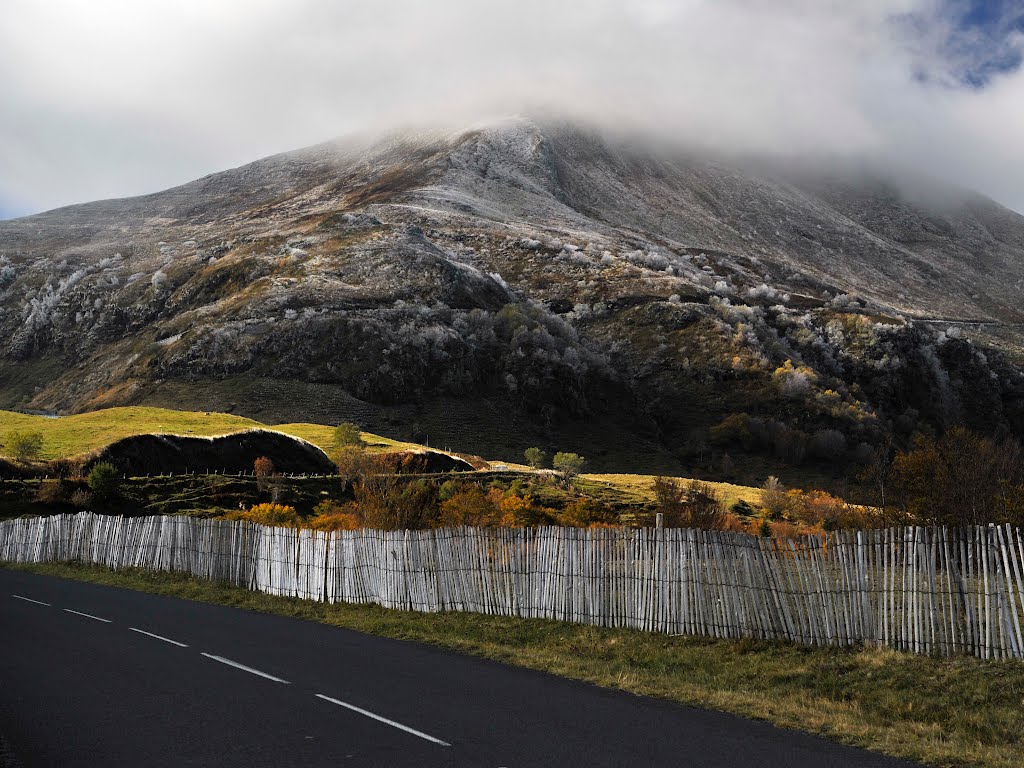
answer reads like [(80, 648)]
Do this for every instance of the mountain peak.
[(526, 267)]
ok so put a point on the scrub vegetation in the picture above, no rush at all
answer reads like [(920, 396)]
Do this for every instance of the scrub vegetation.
[(958, 478)]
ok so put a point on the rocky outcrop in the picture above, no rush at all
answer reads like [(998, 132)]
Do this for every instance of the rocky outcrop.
[(551, 286)]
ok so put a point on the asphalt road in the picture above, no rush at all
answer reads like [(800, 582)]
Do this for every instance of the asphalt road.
[(83, 684)]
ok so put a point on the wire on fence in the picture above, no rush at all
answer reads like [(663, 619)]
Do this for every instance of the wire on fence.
[(926, 590)]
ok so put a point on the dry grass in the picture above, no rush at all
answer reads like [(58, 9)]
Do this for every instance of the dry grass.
[(639, 487), (946, 712)]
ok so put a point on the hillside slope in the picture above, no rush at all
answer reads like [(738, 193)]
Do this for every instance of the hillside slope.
[(525, 283)]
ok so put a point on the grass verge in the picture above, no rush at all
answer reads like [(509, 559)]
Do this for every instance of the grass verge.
[(946, 712)]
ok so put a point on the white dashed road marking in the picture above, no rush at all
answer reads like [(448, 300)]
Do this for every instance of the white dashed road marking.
[(30, 600), (158, 637), (392, 723), (250, 670), (89, 616)]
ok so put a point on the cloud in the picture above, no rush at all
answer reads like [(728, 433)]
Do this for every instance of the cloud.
[(113, 97)]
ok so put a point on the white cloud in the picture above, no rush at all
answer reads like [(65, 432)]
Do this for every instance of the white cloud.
[(113, 97)]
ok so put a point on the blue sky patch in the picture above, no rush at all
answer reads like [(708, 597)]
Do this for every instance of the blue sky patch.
[(987, 39)]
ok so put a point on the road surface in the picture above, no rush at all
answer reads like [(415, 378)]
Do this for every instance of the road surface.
[(99, 676)]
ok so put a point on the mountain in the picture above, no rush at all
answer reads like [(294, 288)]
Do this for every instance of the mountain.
[(527, 283)]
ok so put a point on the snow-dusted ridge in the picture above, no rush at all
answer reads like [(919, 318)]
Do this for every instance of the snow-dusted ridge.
[(537, 266)]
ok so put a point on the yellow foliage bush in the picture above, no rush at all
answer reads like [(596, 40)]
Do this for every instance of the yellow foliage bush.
[(279, 515), (794, 381), (331, 516), (336, 521), (520, 511)]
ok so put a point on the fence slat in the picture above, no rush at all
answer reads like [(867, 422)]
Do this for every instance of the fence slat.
[(926, 590)]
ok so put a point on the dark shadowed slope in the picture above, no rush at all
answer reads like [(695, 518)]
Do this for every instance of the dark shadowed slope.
[(143, 454)]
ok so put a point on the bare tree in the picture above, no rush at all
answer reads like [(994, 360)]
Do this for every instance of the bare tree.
[(693, 505), (960, 479)]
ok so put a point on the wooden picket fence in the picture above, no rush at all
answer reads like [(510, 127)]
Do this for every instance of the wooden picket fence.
[(926, 590)]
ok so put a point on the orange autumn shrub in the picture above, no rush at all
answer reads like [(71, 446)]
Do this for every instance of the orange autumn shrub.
[(735, 523), (521, 511), (332, 516), (263, 467), (818, 511), (469, 506), (582, 512), (784, 530), (336, 521)]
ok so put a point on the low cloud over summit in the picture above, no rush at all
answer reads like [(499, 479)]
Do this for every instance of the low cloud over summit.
[(113, 98)]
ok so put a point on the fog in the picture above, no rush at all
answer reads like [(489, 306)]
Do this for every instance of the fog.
[(114, 98)]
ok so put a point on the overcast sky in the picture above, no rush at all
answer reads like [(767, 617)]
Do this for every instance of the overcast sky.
[(119, 97)]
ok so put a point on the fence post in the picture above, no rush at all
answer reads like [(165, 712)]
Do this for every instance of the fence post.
[(890, 587)]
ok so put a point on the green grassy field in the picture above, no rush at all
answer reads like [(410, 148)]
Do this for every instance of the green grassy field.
[(322, 436), (69, 436), (944, 712)]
